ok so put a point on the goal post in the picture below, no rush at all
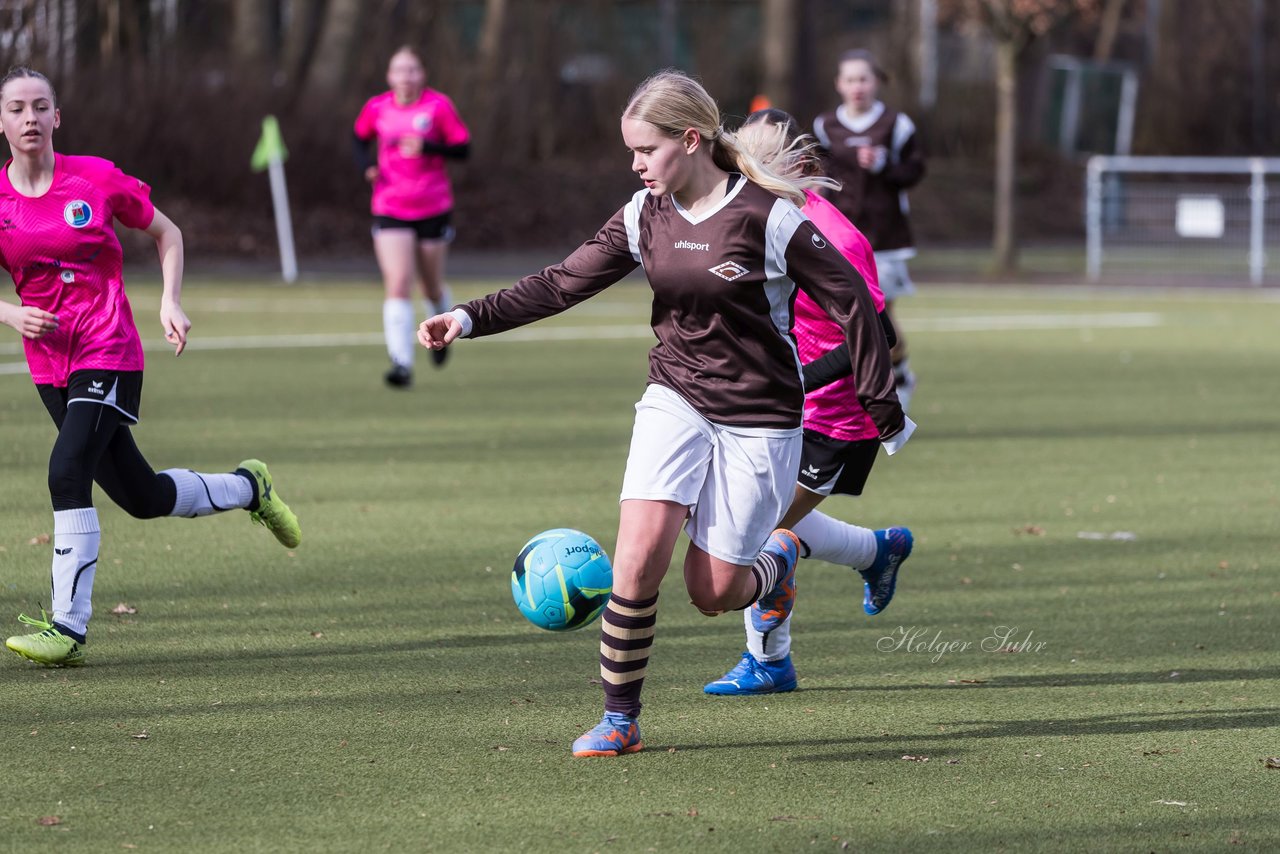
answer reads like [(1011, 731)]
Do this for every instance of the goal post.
[(1181, 215)]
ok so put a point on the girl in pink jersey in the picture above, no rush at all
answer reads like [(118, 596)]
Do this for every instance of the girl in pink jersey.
[(414, 129), (840, 438), (873, 152), (717, 435), (85, 357)]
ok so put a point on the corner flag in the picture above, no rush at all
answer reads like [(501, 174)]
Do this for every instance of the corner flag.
[(269, 154), (270, 146)]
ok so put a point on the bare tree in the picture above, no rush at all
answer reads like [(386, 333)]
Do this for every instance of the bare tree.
[(1013, 25), (488, 73), (304, 19), (340, 31), (779, 30), (251, 30)]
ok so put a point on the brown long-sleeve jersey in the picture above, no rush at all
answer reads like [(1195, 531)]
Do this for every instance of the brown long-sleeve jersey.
[(876, 202), (723, 286)]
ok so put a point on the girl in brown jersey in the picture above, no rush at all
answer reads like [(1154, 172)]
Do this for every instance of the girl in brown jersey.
[(873, 152), (840, 439), (716, 443)]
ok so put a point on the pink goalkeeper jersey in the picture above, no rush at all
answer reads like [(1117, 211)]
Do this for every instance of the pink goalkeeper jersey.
[(834, 410), (411, 188), (62, 251)]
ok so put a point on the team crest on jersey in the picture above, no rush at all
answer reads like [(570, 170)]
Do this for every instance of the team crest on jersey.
[(77, 213), (729, 270), (67, 277), (818, 242), (422, 122)]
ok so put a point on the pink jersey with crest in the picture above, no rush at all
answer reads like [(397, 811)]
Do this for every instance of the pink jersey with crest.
[(62, 251), (834, 410), (411, 188)]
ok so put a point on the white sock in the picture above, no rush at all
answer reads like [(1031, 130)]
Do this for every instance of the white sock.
[(774, 646), (399, 328), (76, 537), (905, 383), (439, 306), (835, 541), (204, 494)]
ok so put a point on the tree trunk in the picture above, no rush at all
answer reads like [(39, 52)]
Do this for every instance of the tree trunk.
[(778, 44), (339, 33), (305, 17), (1108, 29), (251, 28), (109, 32), (491, 58), (1005, 241)]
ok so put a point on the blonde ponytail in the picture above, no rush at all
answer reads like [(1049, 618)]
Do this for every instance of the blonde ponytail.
[(673, 102), (793, 161)]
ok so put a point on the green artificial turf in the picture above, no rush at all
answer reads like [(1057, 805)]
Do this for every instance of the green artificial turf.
[(1095, 480)]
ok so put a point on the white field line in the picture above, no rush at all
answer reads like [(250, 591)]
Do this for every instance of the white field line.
[(328, 305), (974, 323), (1014, 322)]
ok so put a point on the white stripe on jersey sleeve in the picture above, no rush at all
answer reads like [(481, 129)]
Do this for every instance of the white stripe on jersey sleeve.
[(631, 219), (784, 219), (903, 128), (820, 132)]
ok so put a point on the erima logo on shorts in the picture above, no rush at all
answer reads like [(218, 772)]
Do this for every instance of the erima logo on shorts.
[(686, 244), (77, 213), (95, 387), (729, 271)]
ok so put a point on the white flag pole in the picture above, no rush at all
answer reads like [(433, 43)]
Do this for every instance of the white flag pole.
[(284, 225)]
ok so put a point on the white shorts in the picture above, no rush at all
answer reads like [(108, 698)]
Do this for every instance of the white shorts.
[(895, 281), (737, 482)]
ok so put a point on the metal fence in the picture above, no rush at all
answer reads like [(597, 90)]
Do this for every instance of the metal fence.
[(1192, 216)]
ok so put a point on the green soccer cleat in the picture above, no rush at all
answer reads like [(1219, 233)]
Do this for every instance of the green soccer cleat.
[(272, 512), (48, 646)]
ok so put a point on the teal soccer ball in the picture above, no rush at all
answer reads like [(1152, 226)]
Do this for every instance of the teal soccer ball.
[(561, 580)]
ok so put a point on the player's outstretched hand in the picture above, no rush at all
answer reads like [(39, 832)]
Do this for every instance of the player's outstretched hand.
[(32, 322), (176, 325), (436, 333)]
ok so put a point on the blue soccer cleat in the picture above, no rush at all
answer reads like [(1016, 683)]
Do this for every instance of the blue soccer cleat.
[(773, 608), (615, 735), (893, 546), (755, 677)]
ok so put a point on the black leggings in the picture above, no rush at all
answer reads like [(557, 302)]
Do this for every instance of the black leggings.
[(94, 443)]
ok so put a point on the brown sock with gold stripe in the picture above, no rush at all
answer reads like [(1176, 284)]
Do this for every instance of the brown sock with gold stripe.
[(626, 634)]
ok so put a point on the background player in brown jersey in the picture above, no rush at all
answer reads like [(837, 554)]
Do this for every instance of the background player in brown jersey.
[(840, 439), (717, 436), (873, 152)]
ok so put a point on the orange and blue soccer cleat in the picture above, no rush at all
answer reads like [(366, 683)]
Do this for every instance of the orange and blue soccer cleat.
[(775, 606), (615, 735), (893, 546), (755, 677)]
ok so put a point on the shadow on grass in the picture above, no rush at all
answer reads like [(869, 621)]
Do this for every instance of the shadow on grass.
[(1074, 680), (1117, 724), (1108, 432)]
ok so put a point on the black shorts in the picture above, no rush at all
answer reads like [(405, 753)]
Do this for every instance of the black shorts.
[(120, 390), (431, 228), (836, 466)]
